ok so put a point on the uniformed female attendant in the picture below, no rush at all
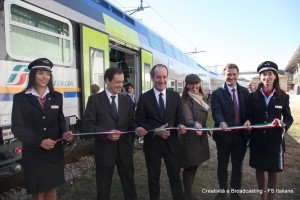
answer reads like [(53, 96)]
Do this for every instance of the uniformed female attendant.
[(267, 103), (194, 145), (38, 121)]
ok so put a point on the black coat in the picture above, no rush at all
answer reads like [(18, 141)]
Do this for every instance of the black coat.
[(32, 124), (259, 113), (148, 117), (98, 117)]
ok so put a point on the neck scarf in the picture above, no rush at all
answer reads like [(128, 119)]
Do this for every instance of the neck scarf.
[(199, 100), (267, 93)]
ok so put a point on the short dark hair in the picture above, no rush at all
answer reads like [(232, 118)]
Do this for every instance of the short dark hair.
[(231, 66), (127, 85), (155, 66), (110, 72)]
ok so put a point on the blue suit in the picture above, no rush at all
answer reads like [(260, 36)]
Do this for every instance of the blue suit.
[(229, 143)]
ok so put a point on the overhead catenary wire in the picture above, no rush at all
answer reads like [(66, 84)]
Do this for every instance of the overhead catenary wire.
[(185, 40)]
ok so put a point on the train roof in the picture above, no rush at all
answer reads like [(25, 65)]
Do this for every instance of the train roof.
[(146, 36)]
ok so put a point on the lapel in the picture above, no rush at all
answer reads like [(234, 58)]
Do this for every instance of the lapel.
[(50, 100), (262, 101), (273, 101), (105, 103), (35, 102), (168, 102), (122, 106), (153, 101), (227, 96), (193, 104)]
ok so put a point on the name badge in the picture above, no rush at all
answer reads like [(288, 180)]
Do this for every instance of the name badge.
[(54, 106), (278, 107)]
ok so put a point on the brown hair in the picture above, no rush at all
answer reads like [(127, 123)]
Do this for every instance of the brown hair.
[(279, 92), (185, 95)]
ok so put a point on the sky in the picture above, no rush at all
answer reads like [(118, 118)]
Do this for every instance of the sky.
[(244, 32)]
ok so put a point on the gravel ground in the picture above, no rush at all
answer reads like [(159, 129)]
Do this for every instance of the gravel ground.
[(72, 171)]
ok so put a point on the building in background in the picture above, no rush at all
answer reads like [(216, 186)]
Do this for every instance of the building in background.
[(293, 72)]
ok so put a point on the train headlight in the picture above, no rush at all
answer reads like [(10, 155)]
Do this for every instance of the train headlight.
[(17, 168)]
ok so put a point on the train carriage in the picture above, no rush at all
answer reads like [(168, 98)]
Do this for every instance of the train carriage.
[(82, 38)]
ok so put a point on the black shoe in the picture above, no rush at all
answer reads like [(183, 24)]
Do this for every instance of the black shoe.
[(235, 196), (220, 196)]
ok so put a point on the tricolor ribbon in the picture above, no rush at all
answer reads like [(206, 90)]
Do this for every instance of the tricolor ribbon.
[(275, 123)]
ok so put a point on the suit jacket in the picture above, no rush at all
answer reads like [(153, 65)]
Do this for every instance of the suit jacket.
[(98, 117), (194, 148), (259, 113), (147, 116), (31, 123), (222, 109)]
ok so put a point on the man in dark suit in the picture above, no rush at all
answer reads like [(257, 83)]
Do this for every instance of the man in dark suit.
[(158, 109), (228, 104), (109, 111)]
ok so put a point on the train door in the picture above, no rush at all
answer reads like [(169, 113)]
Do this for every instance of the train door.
[(134, 62), (94, 60), (146, 65), (126, 58)]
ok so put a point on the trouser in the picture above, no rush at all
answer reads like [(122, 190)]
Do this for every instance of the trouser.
[(188, 175), (172, 162), (235, 146)]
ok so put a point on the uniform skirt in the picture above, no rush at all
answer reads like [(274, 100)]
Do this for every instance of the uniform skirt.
[(45, 177), (266, 161)]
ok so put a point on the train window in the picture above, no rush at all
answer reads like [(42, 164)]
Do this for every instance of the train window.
[(169, 49), (180, 87), (147, 78), (155, 41), (97, 67), (32, 32), (185, 59), (178, 54), (171, 85)]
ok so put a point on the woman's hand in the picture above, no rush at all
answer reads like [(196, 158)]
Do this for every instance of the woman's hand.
[(68, 136), (48, 144), (198, 126)]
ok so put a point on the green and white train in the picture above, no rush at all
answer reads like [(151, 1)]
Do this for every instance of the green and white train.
[(82, 38)]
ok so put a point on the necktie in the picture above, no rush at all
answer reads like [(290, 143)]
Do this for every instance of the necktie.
[(235, 108), (161, 106), (114, 107), (42, 101)]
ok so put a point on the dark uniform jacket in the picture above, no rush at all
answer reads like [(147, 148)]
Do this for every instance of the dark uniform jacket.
[(259, 113), (31, 123), (194, 148)]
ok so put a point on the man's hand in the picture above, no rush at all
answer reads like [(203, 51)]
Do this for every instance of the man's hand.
[(140, 131), (162, 132), (115, 135), (224, 126)]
